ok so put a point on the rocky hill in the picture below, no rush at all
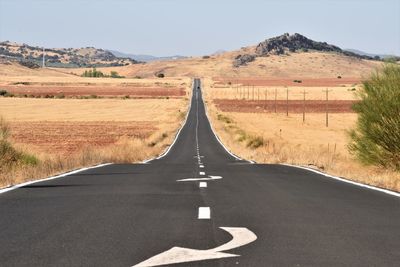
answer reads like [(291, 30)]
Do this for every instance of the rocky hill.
[(61, 57), (286, 43)]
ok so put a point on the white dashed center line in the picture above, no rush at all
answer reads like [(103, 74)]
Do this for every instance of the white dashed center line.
[(204, 213), (203, 184)]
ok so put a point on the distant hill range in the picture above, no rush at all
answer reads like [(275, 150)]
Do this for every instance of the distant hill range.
[(145, 58), (381, 56), (286, 44), (61, 57)]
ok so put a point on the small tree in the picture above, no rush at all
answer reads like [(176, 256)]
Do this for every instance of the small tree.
[(376, 138)]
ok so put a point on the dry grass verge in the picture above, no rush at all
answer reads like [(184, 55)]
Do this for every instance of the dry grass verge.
[(275, 138)]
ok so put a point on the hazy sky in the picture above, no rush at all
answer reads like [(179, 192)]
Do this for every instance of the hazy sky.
[(199, 27)]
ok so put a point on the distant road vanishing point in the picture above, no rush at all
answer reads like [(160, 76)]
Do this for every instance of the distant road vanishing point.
[(198, 205)]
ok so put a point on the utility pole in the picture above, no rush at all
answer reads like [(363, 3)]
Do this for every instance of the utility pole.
[(276, 92), (326, 107), (304, 105), (43, 65), (287, 101), (265, 98)]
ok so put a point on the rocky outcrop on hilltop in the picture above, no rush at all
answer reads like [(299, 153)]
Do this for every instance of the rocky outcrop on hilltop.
[(242, 60), (287, 43), (292, 43)]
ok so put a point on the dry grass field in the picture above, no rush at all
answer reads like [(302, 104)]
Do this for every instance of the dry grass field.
[(69, 133), (258, 133)]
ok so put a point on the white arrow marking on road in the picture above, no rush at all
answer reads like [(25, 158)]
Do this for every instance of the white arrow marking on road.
[(240, 237), (210, 177)]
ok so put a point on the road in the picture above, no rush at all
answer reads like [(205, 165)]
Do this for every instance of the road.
[(138, 214)]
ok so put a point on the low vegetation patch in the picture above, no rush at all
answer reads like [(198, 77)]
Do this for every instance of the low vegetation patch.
[(9, 156), (98, 74)]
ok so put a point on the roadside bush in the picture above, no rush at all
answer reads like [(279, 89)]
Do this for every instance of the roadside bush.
[(376, 138), (160, 75), (3, 92), (255, 142), (224, 118), (114, 74)]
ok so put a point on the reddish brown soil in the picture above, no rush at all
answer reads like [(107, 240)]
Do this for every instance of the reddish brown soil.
[(71, 91), (69, 137), (306, 82), (295, 106)]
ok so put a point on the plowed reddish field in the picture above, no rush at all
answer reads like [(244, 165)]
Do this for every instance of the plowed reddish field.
[(69, 137), (71, 91), (294, 106)]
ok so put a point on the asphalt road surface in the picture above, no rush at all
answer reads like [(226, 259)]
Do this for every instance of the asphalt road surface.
[(140, 214)]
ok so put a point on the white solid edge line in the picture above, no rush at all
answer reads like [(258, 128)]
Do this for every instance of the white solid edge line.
[(386, 191), (163, 154), (6, 189), (216, 136), (204, 213)]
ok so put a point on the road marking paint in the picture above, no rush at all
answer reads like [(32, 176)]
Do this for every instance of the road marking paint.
[(201, 166), (6, 189), (204, 213), (202, 173), (209, 178), (203, 184), (240, 236), (177, 134), (346, 181)]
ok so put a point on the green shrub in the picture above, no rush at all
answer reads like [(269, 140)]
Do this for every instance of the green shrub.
[(114, 74), (376, 137), (3, 92), (28, 159)]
